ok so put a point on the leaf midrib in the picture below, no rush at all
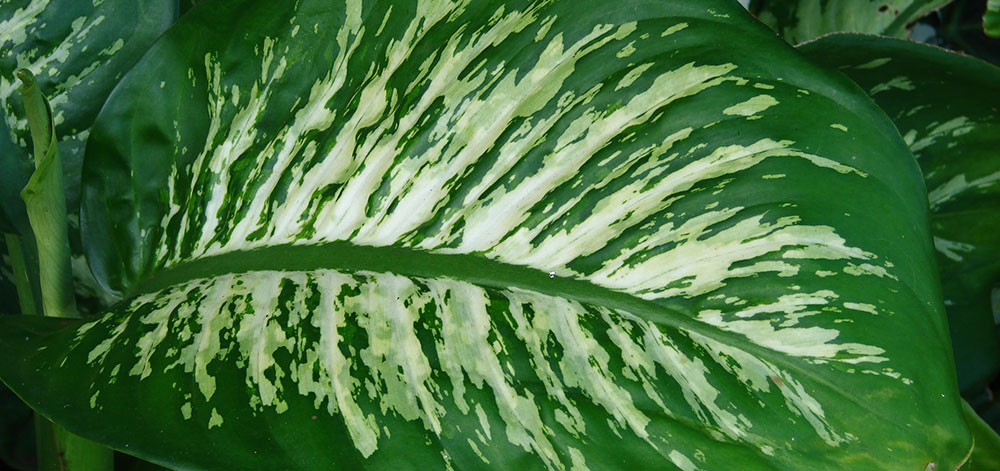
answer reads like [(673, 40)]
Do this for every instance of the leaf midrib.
[(473, 268), (352, 258)]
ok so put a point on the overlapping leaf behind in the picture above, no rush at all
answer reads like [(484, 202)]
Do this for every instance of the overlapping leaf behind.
[(947, 106)]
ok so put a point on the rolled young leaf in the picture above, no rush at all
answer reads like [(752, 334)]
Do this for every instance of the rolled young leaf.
[(45, 202), (78, 50), (477, 235), (947, 106), (802, 20)]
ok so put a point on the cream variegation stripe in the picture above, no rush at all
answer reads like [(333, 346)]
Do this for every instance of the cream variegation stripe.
[(47, 60), (527, 162), (191, 326), (462, 190), (15, 28), (958, 185), (14, 31)]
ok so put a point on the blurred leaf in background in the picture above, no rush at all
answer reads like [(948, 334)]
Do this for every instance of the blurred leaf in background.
[(801, 20), (991, 19), (959, 27), (17, 433)]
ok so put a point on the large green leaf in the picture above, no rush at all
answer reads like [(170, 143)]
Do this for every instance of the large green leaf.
[(473, 235), (947, 106), (78, 50), (801, 20)]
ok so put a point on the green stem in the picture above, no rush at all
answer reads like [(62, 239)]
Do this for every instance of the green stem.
[(22, 279), (59, 450), (45, 200)]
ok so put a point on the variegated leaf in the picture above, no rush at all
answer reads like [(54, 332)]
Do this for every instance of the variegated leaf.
[(78, 50), (479, 235), (802, 20), (947, 106)]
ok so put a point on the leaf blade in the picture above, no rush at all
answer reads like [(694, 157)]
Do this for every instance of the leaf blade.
[(524, 163), (934, 97)]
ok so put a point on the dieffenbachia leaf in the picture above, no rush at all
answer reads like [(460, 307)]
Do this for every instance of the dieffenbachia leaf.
[(991, 19), (481, 235), (947, 107), (78, 50), (802, 20)]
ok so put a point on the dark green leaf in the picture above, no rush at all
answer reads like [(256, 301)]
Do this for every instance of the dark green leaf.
[(537, 235), (185, 5), (15, 169), (947, 107)]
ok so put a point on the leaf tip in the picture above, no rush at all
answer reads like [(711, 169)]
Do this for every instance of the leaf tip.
[(26, 77)]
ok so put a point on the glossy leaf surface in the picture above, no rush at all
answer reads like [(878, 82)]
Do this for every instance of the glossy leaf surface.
[(537, 235), (78, 50), (802, 20), (947, 106)]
